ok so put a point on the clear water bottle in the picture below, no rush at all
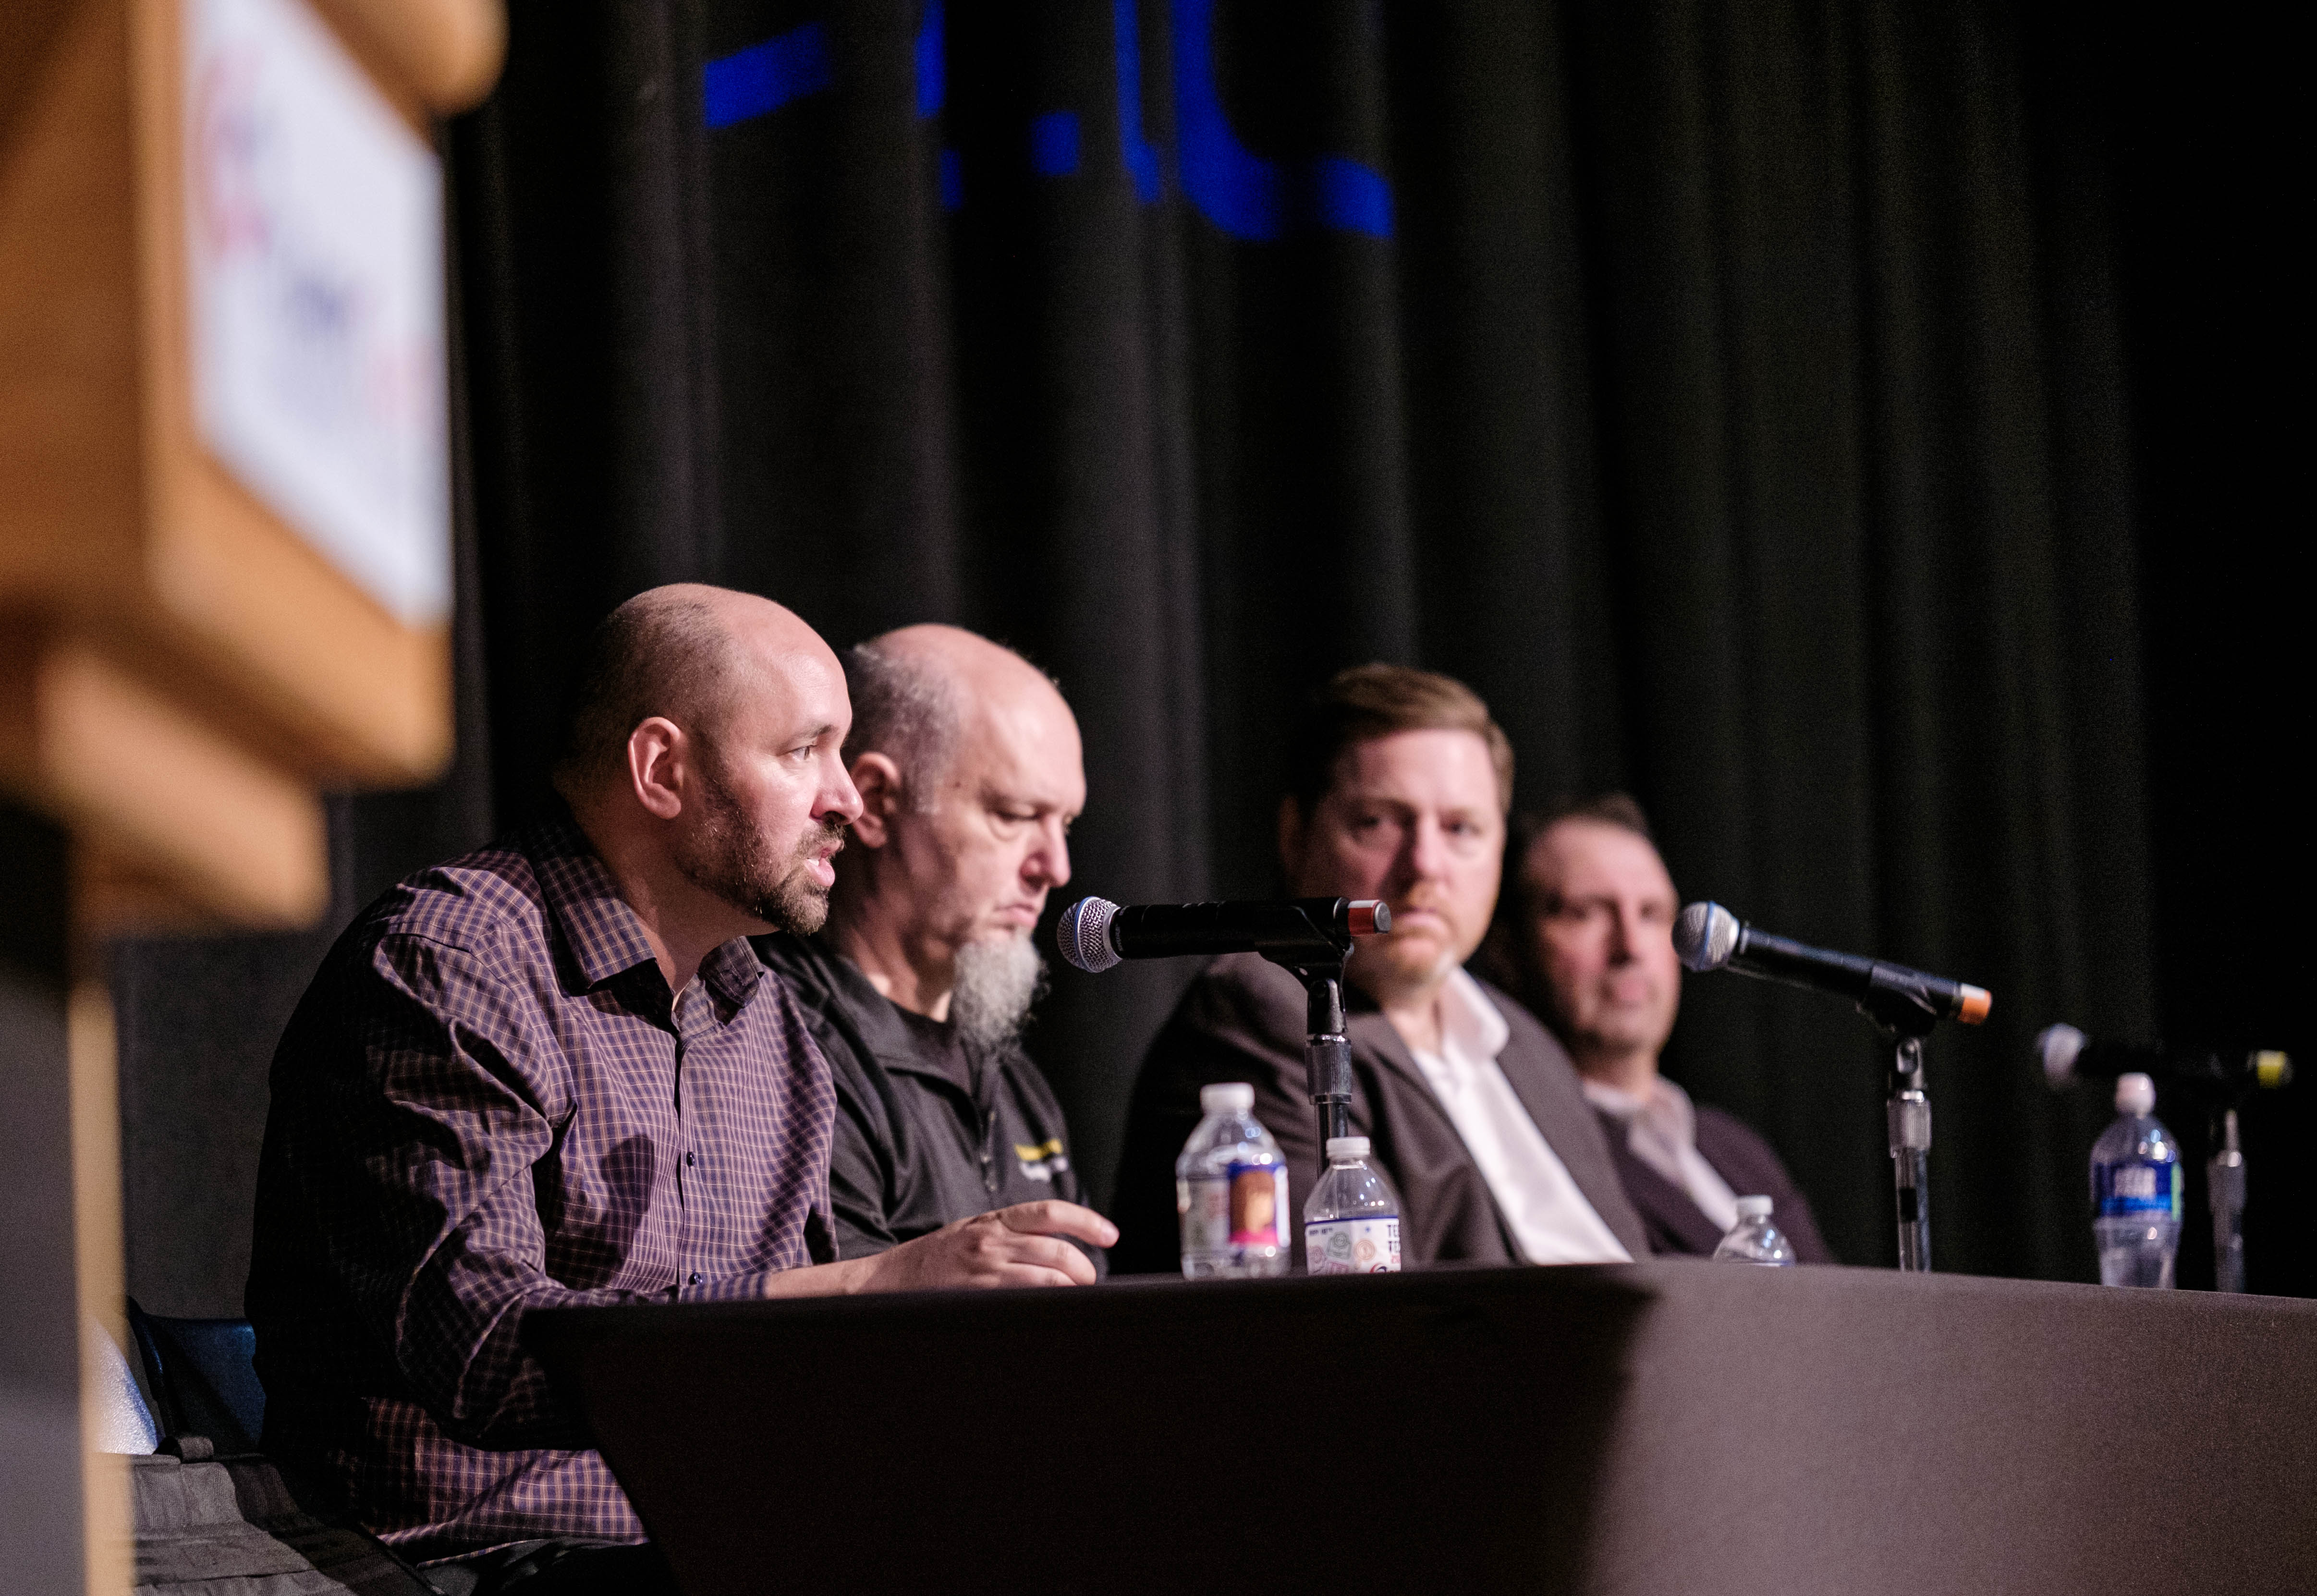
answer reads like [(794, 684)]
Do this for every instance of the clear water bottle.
[(1351, 1220), (1231, 1190), (1754, 1239), (2136, 1191)]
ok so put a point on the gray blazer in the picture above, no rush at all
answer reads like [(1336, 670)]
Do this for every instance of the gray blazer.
[(1243, 1020)]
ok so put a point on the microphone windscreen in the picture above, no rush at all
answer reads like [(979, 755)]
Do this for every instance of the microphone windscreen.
[(1704, 934), (2056, 1047), (1083, 935)]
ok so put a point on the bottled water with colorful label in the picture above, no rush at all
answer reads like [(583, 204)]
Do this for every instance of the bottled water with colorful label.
[(2136, 1191), (1351, 1221), (1230, 1191)]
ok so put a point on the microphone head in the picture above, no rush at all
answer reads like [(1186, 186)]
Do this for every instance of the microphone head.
[(2056, 1046), (1083, 935), (1705, 935)]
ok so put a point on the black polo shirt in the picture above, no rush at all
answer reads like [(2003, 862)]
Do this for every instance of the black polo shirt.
[(929, 1129)]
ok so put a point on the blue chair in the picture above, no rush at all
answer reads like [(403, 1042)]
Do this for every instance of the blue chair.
[(204, 1377)]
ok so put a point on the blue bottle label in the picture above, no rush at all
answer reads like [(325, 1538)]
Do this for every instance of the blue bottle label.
[(2135, 1189)]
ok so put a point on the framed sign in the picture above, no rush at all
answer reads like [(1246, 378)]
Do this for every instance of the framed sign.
[(314, 249), (224, 436)]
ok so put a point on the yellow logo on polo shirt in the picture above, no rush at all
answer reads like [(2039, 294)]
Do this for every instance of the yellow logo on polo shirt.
[(1042, 1162)]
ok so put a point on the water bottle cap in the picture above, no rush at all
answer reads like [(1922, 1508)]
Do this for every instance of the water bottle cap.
[(1754, 1208), (1232, 1097), (1347, 1147), (2135, 1094)]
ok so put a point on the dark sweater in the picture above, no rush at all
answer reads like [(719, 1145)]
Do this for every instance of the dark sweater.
[(929, 1129)]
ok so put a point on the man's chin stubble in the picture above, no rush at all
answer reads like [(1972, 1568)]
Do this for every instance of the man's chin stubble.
[(800, 907)]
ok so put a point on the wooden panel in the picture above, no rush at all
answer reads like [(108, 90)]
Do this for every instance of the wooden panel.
[(112, 513), (71, 482), (99, 1272), (137, 779), (447, 52)]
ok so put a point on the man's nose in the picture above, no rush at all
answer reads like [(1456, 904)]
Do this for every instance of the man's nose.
[(1049, 861), (1426, 856), (838, 796), (1622, 939)]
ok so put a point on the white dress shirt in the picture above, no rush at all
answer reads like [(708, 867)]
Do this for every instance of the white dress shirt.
[(1662, 1128), (1550, 1218)]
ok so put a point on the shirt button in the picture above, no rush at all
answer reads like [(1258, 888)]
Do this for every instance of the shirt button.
[(693, 1279), (689, 1159)]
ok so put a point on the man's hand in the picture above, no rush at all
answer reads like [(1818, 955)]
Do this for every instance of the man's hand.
[(1017, 1246)]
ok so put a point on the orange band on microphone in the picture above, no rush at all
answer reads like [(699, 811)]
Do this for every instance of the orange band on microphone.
[(1368, 917), (1976, 1001)]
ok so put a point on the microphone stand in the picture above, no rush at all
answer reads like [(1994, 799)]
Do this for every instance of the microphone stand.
[(1327, 1051), (1317, 962), (1906, 1018), (1909, 1112), (2224, 1192)]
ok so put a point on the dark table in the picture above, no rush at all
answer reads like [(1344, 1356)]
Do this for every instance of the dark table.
[(1666, 1427)]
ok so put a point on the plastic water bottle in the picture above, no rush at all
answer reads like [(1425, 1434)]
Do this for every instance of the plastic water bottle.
[(2136, 1191), (1351, 1221), (1231, 1190), (1754, 1239)]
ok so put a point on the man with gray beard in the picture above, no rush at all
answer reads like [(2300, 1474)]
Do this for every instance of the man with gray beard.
[(968, 764), (551, 1073)]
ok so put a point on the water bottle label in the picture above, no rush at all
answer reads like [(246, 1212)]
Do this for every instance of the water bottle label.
[(1367, 1245), (2135, 1189), (1204, 1202), (1239, 1207), (1258, 1200)]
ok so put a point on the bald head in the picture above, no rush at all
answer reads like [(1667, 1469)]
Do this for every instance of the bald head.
[(970, 771), (686, 652), (916, 692)]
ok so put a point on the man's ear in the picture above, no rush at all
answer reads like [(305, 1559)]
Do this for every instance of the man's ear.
[(1290, 840), (659, 766), (879, 781)]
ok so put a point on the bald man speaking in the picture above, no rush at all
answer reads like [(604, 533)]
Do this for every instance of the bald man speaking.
[(553, 1074), (968, 768)]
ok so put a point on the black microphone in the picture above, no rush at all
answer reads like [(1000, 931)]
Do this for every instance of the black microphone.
[(2068, 1055), (1095, 934), (1708, 936)]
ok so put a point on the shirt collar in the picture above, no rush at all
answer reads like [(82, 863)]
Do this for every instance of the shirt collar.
[(1665, 1103), (827, 980), (1469, 1022), (602, 931)]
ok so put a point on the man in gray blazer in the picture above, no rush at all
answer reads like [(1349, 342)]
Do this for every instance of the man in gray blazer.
[(1402, 783)]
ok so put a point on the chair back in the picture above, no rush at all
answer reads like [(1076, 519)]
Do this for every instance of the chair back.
[(204, 1377)]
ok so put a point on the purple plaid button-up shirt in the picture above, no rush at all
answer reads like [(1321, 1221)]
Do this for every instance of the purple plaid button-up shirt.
[(488, 1103)]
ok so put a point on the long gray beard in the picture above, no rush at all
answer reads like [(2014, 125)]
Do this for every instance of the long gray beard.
[(997, 982)]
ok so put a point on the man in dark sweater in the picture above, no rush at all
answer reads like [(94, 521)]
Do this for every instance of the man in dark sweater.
[(968, 768), (1586, 939)]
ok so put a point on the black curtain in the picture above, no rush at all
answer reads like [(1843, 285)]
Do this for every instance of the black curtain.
[(1737, 397)]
